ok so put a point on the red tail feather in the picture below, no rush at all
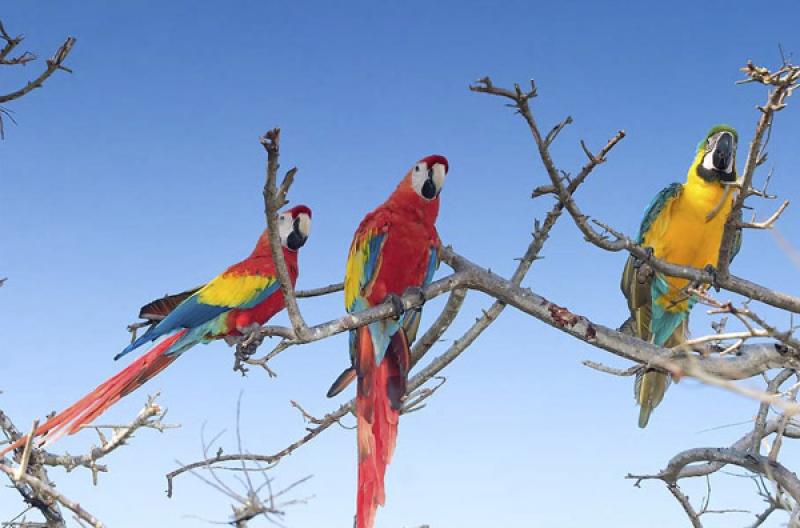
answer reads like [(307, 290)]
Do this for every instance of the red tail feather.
[(92, 405), (378, 403)]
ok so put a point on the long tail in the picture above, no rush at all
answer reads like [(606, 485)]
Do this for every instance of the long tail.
[(650, 388), (105, 395), (379, 397)]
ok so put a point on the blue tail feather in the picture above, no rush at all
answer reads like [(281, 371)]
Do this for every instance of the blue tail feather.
[(662, 322), (191, 338), (148, 336)]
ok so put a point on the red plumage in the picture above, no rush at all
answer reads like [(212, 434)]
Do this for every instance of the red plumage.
[(392, 251), (378, 402), (187, 323), (260, 264), (109, 392)]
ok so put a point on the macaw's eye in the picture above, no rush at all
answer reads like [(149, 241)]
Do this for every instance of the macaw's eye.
[(416, 168)]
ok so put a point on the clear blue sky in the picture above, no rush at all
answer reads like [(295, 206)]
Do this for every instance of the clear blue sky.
[(140, 174)]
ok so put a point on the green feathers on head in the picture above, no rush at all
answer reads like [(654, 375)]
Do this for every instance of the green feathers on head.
[(715, 129)]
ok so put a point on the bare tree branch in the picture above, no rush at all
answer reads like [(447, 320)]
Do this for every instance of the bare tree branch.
[(30, 477), (694, 517), (754, 463), (252, 502), (769, 222), (53, 64), (32, 496), (783, 83), (10, 44), (148, 418), (316, 292), (274, 199), (46, 490)]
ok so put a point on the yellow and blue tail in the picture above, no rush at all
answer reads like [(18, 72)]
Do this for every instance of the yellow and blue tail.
[(651, 385)]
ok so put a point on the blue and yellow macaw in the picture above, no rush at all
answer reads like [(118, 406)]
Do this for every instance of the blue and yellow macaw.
[(682, 225)]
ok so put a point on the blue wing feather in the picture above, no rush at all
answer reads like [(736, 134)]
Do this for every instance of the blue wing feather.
[(189, 314), (433, 265), (193, 313)]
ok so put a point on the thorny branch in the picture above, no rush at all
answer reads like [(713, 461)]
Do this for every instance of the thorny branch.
[(10, 44), (30, 477), (47, 492), (150, 417), (55, 63), (274, 199), (31, 495), (253, 501), (745, 453), (782, 83)]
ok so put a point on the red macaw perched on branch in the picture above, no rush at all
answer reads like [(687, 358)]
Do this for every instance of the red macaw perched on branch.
[(241, 298), (395, 248)]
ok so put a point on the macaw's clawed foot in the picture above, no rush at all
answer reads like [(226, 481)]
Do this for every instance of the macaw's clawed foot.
[(246, 343), (249, 337), (419, 292), (643, 270), (397, 304), (628, 327), (637, 261), (711, 270)]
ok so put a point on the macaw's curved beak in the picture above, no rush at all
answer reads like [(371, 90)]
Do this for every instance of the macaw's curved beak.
[(296, 238), (723, 157), (429, 190)]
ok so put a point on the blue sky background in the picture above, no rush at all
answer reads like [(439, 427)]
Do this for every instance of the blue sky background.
[(141, 173)]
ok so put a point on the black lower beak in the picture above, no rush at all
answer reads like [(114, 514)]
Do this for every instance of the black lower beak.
[(295, 240), (723, 153), (429, 189)]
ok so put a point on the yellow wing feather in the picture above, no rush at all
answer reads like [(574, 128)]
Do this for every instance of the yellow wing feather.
[(234, 290), (362, 264)]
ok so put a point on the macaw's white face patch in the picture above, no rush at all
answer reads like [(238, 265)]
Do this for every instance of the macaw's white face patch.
[(719, 159), (428, 181), (294, 230), (285, 227)]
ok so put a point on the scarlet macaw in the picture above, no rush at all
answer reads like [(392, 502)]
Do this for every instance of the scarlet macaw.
[(244, 296), (682, 225), (394, 248)]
